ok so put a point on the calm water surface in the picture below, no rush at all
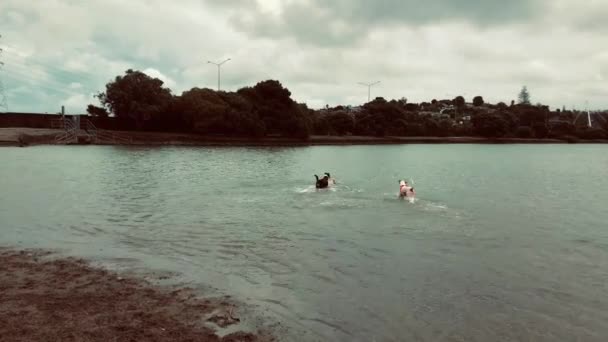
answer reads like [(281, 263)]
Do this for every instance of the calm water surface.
[(506, 243)]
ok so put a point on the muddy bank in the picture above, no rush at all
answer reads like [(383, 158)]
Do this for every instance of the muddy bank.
[(30, 136), (45, 298)]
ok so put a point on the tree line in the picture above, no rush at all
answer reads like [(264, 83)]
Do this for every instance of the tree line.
[(267, 109)]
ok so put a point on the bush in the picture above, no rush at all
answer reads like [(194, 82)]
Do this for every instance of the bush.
[(540, 130), (478, 101), (524, 132), (341, 123), (571, 139), (490, 125), (591, 133), (459, 101)]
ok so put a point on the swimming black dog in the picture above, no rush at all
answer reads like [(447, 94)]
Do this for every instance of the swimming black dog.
[(322, 183)]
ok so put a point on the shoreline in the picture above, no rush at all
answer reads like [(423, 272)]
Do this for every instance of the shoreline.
[(18, 136), (49, 297)]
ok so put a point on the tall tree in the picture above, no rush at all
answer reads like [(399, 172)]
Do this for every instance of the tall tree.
[(459, 101), (136, 96), (524, 96), (280, 114), (203, 110), (97, 111)]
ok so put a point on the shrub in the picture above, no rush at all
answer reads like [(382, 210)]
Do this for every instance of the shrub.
[(524, 132)]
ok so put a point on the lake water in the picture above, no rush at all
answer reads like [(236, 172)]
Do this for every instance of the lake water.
[(505, 243)]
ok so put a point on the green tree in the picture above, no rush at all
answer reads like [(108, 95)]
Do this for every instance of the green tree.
[(502, 106), (445, 127), (529, 115), (341, 122), (380, 117), (280, 114), (524, 96), (478, 101), (459, 102), (431, 127), (540, 130), (203, 110), (97, 111), (240, 118), (321, 125), (136, 96), (490, 125), (524, 132)]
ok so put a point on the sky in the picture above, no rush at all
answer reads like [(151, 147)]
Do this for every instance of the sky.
[(62, 52)]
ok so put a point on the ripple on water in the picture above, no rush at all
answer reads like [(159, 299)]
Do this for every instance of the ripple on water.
[(474, 267), (331, 325)]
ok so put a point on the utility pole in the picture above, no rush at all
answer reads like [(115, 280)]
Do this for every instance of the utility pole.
[(3, 102), (589, 125), (369, 89), (219, 66)]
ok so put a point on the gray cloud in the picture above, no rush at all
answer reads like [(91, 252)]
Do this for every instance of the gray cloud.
[(319, 50), (344, 22)]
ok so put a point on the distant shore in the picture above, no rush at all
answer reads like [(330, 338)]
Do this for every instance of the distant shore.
[(48, 298), (18, 136)]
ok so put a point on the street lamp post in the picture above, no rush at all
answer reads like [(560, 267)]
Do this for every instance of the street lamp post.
[(369, 89), (219, 66)]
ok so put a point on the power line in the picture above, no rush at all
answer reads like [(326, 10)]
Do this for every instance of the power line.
[(3, 101)]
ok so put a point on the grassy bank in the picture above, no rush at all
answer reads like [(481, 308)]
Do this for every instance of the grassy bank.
[(31, 136)]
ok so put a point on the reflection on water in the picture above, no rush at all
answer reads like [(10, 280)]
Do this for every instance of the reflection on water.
[(495, 248)]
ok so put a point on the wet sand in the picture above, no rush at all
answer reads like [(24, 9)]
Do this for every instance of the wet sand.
[(46, 298)]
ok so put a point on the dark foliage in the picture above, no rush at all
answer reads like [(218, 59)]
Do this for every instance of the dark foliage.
[(267, 109)]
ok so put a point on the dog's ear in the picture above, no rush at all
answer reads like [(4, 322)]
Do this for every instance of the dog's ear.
[(317, 177)]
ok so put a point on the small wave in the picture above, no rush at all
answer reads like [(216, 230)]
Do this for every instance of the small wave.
[(430, 206), (306, 190), (312, 189), (278, 303), (331, 325), (396, 197), (338, 205)]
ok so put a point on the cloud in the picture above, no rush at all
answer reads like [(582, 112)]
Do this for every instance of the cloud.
[(59, 51), (346, 22), (170, 83), (77, 103)]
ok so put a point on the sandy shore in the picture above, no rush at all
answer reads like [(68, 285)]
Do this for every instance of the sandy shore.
[(13, 136), (18, 136), (45, 298)]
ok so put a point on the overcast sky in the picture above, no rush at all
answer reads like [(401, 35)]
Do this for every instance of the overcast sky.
[(62, 51)]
